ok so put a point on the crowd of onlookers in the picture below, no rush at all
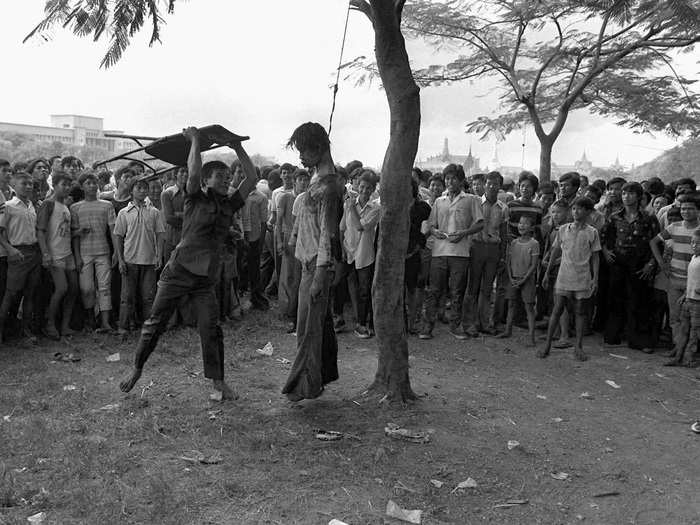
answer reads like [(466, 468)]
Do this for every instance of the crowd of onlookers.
[(81, 249)]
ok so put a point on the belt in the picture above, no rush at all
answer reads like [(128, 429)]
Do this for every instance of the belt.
[(25, 246), (478, 241)]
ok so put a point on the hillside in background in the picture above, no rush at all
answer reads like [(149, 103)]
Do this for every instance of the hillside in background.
[(681, 161)]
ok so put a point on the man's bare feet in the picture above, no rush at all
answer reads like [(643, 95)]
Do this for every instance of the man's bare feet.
[(543, 352), (129, 383), (227, 393), (580, 355)]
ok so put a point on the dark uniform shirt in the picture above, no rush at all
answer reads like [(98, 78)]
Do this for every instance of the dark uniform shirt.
[(629, 241), (207, 219)]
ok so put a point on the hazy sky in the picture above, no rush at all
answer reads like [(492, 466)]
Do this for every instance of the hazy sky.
[(236, 64)]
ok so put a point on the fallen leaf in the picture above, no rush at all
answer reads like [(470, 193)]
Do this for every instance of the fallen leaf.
[(284, 361), (511, 503), (540, 396), (557, 419), (37, 518), (561, 476), (611, 383), (410, 516), (436, 483), (113, 358), (513, 444), (111, 406), (266, 350), (394, 431), (619, 356), (216, 396), (586, 395), (6, 419), (328, 435), (468, 483), (69, 388), (336, 522)]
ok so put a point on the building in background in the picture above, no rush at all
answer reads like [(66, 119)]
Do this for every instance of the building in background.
[(77, 130), (436, 163)]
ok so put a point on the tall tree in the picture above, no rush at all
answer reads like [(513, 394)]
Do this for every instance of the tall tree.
[(611, 57), (121, 19)]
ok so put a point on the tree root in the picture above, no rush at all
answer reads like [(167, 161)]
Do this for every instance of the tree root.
[(393, 395)]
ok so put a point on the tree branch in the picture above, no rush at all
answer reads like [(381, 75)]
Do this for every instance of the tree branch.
[(555, 54), (364, 7)]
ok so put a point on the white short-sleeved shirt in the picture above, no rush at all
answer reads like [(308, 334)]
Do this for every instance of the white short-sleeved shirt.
[(140, 225), (693, 283), (450, 215), (359, 244), (577, 247), (19, 221)]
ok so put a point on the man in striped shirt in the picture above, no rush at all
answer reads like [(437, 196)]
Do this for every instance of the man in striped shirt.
[(679, 236)]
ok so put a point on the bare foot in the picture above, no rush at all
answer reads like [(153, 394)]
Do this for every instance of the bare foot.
[(530, 343), (129, 383), (227, 393), (580, 355), (504, 335), (543, 352), (67, 332)]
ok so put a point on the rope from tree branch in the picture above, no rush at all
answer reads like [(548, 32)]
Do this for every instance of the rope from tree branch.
[(340, 65)]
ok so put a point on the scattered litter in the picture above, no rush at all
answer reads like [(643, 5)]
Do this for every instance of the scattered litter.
[(69, 388), (111, 406), (113, 358), (557, 419), (619, 356), (695, 427), (198, 457), (66, 358), (37, 518), (400, 486), (328, 435), (6, 419), (336, 522), (394, 431), (19, 470), (608, 450), (468, 483), (660, 375), (217, 395), (561, 476), (358, 404), (410, 516), (267, 350), (513, 444), (511, 503), (606, 494), (611, 383), (540, 396), (436, 483), (213, 414), (284, 361), (586, 395)]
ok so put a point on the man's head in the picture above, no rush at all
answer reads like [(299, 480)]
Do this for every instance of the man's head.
[(5, 172), (181, 174), (631, 193), (581, 208), (136, 167), (88, 181), (274, 180), (559, 211), (593, 193), (139, 190), (436, 186), (659, 202), (454, 178), (478, 181), (547, 195), (655, 186), (685, 185), (569, 184), (287, 175), (689, 206), (584, 182), (301, 181), (527, 184), (352, 166), (123, 177), (72, 166), (38, 169), (155, 188), (61, 184), (525, 225), (22, 184), (312, 143), (492, 185), (614, 189), (216, 176), (367, 185), (55, 163)]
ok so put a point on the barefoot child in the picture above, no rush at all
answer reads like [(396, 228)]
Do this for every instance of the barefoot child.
[(208, 215), (579, 246), (521, 263)]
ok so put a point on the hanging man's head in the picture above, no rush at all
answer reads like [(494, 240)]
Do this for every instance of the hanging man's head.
[(311, 141)]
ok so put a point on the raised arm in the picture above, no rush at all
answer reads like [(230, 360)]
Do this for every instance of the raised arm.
[(251, 176), (194, 161)]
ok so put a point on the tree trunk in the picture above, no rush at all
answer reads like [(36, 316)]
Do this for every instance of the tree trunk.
[(402, 93), (546, 160)]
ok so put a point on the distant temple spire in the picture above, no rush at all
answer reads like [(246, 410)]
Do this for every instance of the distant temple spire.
[(446, 149)]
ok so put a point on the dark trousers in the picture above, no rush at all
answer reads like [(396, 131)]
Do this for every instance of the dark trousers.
[(176, 282), (342, 291), (268, 265), (21, 281), (255, 285), (360, 281), (629, 301), (138, 283), (447, 275), (290, 275), (482, 274)]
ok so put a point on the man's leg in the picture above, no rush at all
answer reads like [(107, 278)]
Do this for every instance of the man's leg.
[(147, 282), (434, 290), (458, 268), (128, 297), (103, 276), (674, 311), (69, 300), (559, 305), (580, 310), (31, 283), (174, 283), (60, 287), (86, 283), (477, 267)]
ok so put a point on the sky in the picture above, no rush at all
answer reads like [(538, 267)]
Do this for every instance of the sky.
[(233, 63)]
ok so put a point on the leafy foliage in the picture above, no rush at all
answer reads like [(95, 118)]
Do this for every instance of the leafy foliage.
[(681, 161), (120, 20)]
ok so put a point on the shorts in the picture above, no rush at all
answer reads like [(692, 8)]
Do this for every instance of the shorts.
[(578, 295), (691, 312), (526, 291), (64, 263), (20, 272)]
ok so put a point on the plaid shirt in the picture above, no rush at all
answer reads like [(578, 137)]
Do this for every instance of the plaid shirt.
[(629, 241), (99, 217)]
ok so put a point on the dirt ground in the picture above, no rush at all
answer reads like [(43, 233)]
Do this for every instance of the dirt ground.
[(93, 455)]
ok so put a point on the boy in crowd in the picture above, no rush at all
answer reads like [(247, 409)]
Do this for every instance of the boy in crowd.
[(72, 166), (546, 196), (626, 249), (569, 184), (254, 219), (92, 224), (679, 236), (612, 201), (19, 241), (488, 253), (455, 217), (558, 215), (521, 265), (6, 193), (672, 213), (191, 270), (524, 205), (54, 235), (139, 231), (478, 183), (685, 352), (172, 202), (359, 227), (578, 245)]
